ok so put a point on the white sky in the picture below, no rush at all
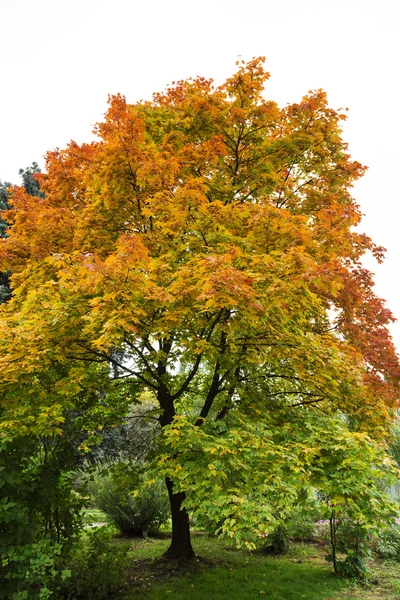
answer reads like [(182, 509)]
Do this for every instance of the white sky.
[(60, 59)]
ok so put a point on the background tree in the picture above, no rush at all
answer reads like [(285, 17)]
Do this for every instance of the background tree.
[(208, 236), (31, 186), (4, 276), (30, 182)]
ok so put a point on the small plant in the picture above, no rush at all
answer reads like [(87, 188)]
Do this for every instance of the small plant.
[(396, 586), (301, 528), (353, 566), (97, 568), (388, 543), (298, 526), (350, 540), (276, 542)]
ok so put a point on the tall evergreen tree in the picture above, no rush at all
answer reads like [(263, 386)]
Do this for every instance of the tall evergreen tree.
[(31, 185)]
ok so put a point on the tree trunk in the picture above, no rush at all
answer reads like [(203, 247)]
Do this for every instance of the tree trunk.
[(180, 546), (333, 525)]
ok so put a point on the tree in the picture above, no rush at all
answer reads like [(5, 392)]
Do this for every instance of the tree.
[(3, 204), (4, 277), (208, 237), (31, 186), (30, 182)]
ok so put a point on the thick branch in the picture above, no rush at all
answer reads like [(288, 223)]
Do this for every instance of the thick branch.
[(196, 365), (224, 411), (188, 379), (212, 393)]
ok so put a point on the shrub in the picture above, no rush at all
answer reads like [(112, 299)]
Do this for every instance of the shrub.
[(134, 506), (276, 542), (353, 566), (301, 528), (39, 515), (32, 571), (388, 543), (97, 568), (350, 540), (298, 526)]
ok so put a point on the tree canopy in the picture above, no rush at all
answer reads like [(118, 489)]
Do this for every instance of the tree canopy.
[(206, 246)]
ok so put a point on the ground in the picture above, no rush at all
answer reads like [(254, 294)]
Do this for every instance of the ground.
[(224, 573)]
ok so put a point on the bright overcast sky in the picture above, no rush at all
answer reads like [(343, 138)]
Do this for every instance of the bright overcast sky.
[(61, 58)]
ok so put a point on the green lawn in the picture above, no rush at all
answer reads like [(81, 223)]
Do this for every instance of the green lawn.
[(275, 580), (223, 573), (93, 515)]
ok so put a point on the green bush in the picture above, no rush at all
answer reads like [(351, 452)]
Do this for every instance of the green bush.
[(97, 568), (350, 544), (276, 542), (135, 507), (388, 543), (301, 527), (32, 571), (39, 516), (298, 526), (353, 566)]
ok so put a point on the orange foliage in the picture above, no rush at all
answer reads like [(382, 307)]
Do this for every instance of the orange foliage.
[(207, 226)]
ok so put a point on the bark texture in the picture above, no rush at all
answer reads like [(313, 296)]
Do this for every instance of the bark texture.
[(181, 546)]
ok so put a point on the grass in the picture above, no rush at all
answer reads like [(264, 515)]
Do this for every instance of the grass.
[(224, 573), (93, 515), (276, 581), (383, 583)]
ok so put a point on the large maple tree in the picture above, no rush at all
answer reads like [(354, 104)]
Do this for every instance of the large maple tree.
[(210, 238)]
